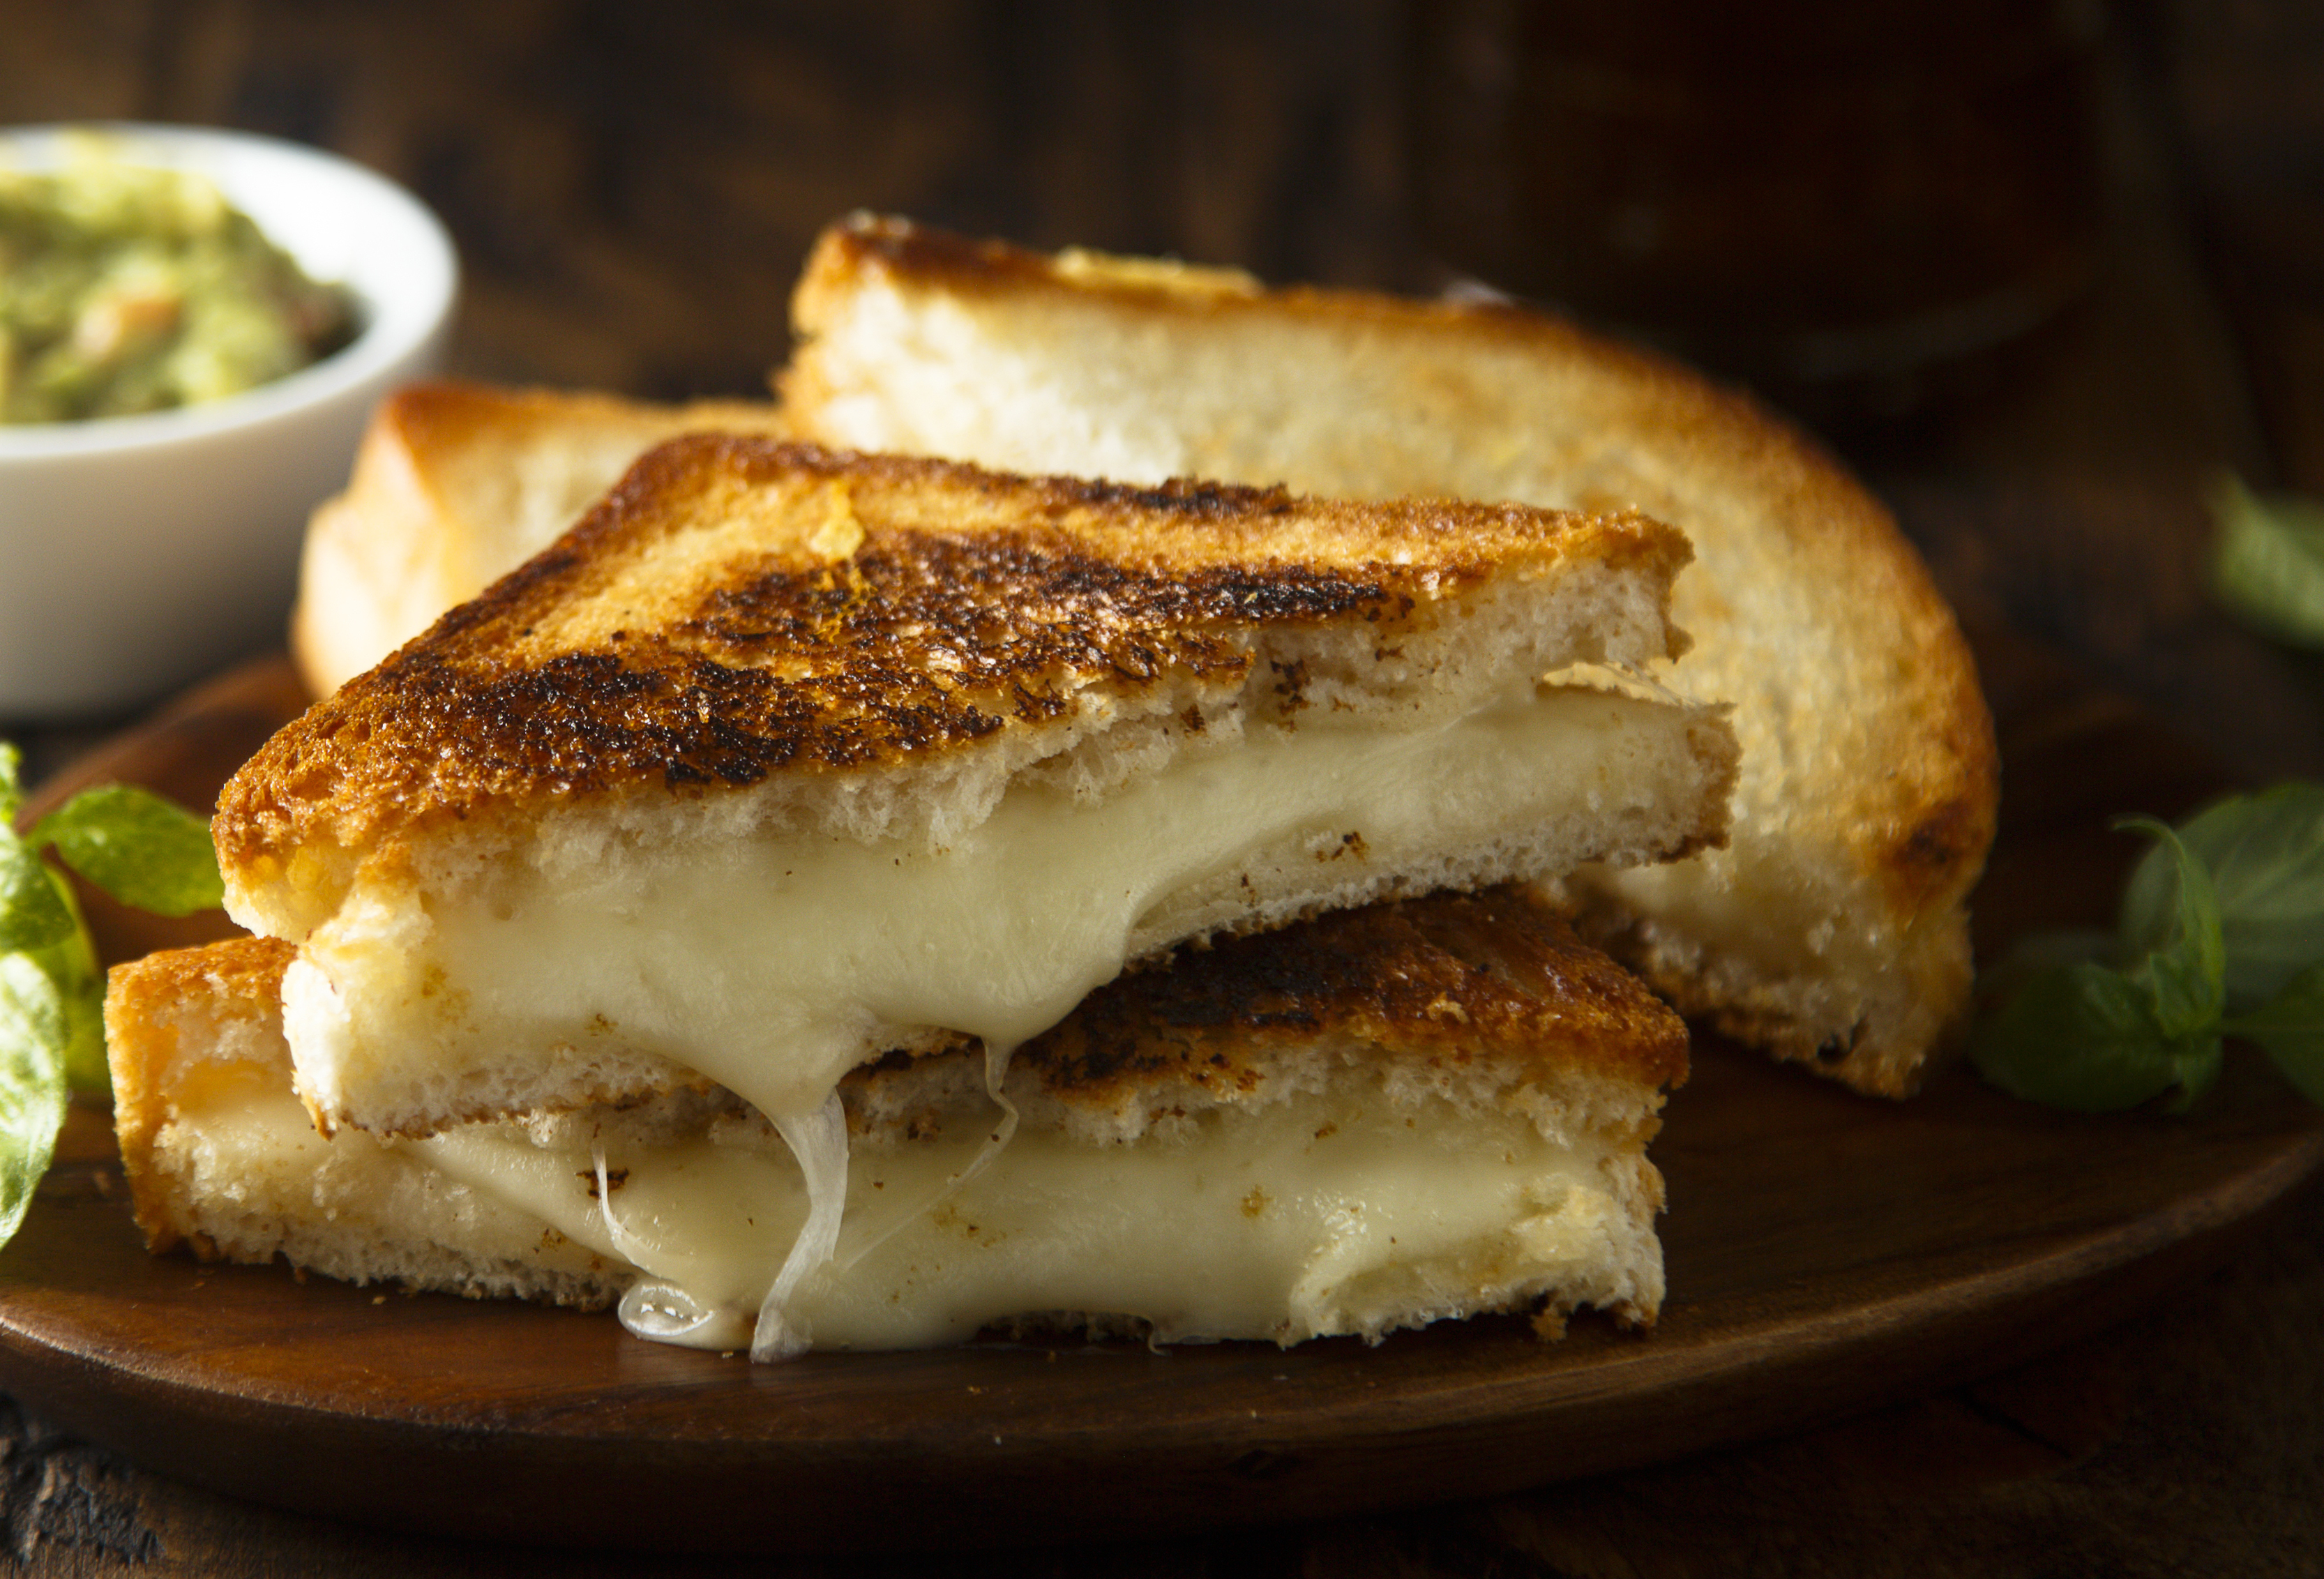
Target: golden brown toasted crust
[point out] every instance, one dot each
(738, 607)
(1720, 421)
(1492, 977)
(444, 416)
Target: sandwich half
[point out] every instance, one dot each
(782, 760)
(455, 485)
(1832, 927)
(1378, 1119)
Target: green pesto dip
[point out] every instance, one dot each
(125, 289)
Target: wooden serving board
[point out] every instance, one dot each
(1826, 1254)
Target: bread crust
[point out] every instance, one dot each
(738, 608)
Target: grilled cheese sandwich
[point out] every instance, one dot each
(785, 759)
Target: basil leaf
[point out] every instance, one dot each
(2195, 1063)
(143, 850)
(71, 966)
(11, 790)
(2177, 943)
(2223, 914)
(2267, 564)
(31, 1083)
(32, 916)
(2266, 856)
(2079, 1037)
(2290, 1030)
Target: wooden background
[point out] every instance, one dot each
(631, 186)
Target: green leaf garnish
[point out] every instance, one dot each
(2178, 943)
(135, 846)
(2081, 1037)
(2290, 1028)
(2265, 853)
(32, 1033)
(143, 850)
(31, 914)
(2224, 917)
(71, 965)
(2267, 564)
(2085, 1035)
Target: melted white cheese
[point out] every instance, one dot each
(1255, 1226)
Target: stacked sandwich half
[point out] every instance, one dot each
(834, 900)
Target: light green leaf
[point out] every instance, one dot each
(143, 850)
(71, 965)
(32, 1033)
(2266, 856)
(32, 916)
(2079, 1037)
(2290, 1028)
(2267, 564)
(11, 789)
(2178, 952)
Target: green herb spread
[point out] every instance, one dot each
(125, 289)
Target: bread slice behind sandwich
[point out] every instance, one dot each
(1373, 1120)
(1832, 929)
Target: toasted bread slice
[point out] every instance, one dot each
(1482, 1084)
(1833, 927)
(455, 485)
(782, 758)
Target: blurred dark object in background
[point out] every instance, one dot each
(633, 187)
(1855, 205)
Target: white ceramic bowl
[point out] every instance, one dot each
(139, 552)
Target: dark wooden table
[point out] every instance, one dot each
(631, 186)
